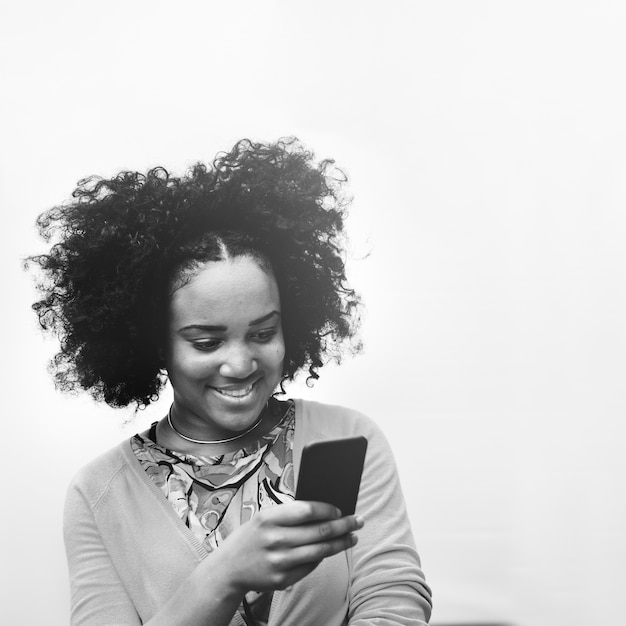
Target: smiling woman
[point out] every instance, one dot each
(225, 352)
(226, 282)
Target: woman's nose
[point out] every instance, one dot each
(239, 362)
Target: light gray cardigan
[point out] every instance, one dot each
(128, 551)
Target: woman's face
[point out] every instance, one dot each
(226, 347)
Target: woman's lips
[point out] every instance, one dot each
(236, 391)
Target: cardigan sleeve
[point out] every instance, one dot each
(98, 597)
(387, 586)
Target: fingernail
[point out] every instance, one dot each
(359, 521)
(353, 539)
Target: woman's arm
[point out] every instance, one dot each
(387, 585)
(274, 550)
(98, 597)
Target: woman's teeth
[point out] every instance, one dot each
(235, 393)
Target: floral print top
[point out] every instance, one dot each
(213, 495)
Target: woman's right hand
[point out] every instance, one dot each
(282, 544)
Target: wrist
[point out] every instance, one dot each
(221, 579)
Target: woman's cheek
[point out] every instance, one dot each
(200, 364)
(188, 362)
(277, 356)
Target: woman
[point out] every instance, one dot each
(226, 282)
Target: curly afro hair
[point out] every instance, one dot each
(123, 244)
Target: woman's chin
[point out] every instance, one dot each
(235, 415)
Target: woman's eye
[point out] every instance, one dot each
(265, 335)
(206, 344)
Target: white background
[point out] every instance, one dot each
(486, 147)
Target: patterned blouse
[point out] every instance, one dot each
(213, 495)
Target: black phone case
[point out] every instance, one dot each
(330, 471)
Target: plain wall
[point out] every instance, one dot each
(485, 144)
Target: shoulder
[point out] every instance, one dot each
(330, 417)
(94, 479)
(317, 420)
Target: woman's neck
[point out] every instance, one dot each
(170, 439)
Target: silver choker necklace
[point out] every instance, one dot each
(239, 436)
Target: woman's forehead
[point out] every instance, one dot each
(233, 288)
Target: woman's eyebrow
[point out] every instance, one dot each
(220, 327)
(264, 318)
(202, 327)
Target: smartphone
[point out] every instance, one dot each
(330, 471)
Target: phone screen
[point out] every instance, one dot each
(330, 471)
